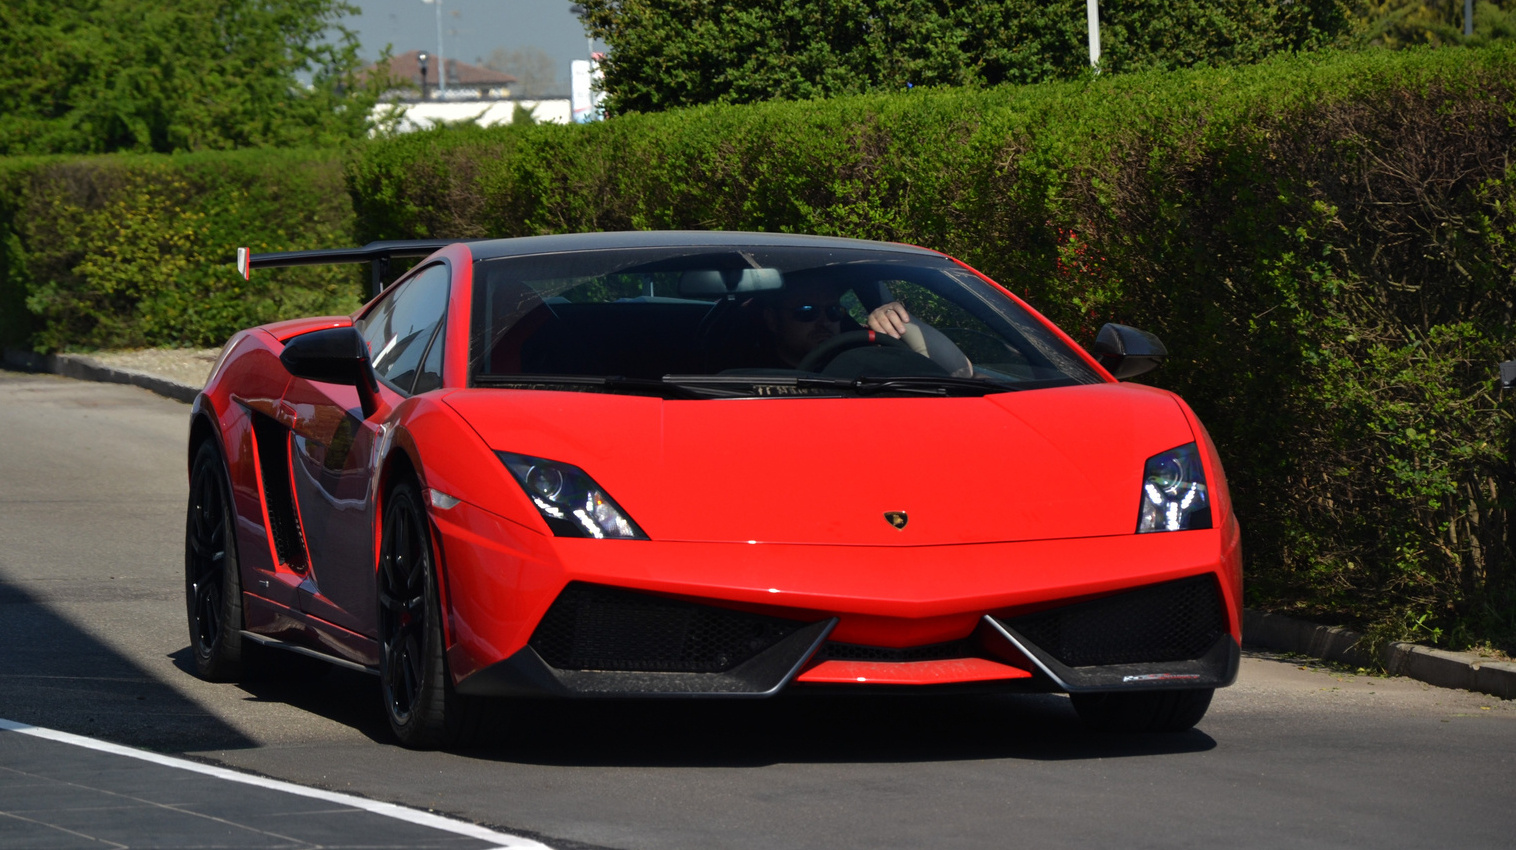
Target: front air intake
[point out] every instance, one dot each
(590, 627)
(1174, 621)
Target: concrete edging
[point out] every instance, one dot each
(88, 369)
(1462, 670)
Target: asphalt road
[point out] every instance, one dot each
(92, 492)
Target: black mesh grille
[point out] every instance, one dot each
(1174, 621)
(599, 628)
(965, 648)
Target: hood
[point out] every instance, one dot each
(1031, 465)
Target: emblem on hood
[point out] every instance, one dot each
(896, 518)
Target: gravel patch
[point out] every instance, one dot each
(190, 366)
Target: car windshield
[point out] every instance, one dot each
(754, 321)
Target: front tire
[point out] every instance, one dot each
(212, 583)
(423, 709)
(1143, 711)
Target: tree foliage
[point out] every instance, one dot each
(1399, 24)
(95, 76)
(671, 53)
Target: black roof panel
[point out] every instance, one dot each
(560, 243)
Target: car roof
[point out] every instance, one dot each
(562, 243)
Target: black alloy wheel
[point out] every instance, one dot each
(1143, 711)
(423, 709)
(212, 585)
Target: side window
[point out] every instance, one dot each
(403, 328)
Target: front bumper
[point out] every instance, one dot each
(915, 616)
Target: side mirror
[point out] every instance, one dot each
(1126, 352)
(334, 356)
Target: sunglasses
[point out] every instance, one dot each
(811, 312)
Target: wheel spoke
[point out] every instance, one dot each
(210, 618)
(197, 520)
(412, 675)
(206, 590)
(210, 565)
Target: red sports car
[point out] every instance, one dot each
(706, 464)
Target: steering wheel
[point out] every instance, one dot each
(825, 353)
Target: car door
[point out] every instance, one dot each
(334, 448)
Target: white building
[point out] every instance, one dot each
(471, 93)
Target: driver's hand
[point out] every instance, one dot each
(889, 319)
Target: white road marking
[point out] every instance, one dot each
(501, 840)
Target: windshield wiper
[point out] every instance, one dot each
(591, 383)
(937, 385)
(739, 386)
(780, 385)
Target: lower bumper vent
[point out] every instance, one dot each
(590, 627)
(1173, 621)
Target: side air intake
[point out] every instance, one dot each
(274, 470)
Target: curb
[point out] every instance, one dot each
(88, 369)
(1462, 670)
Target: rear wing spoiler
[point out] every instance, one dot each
(376, 253)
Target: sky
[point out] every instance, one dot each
(472, 28)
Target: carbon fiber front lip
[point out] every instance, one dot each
(526, 674)
(1217, 668)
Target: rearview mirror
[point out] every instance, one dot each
(334, 356)
(1127, 352)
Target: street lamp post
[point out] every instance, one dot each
(1092, 11)
(441, 63)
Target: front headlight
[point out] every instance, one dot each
(571, 502)
(1174, 496)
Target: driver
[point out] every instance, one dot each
(809, 314)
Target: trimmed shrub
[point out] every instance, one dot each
(1324, 241)
(132, 251)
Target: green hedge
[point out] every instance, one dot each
(128, 251)
(1327, 243)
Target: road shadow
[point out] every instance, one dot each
(791, 728)
(55, 675)
(801, 728)
(335, 693)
